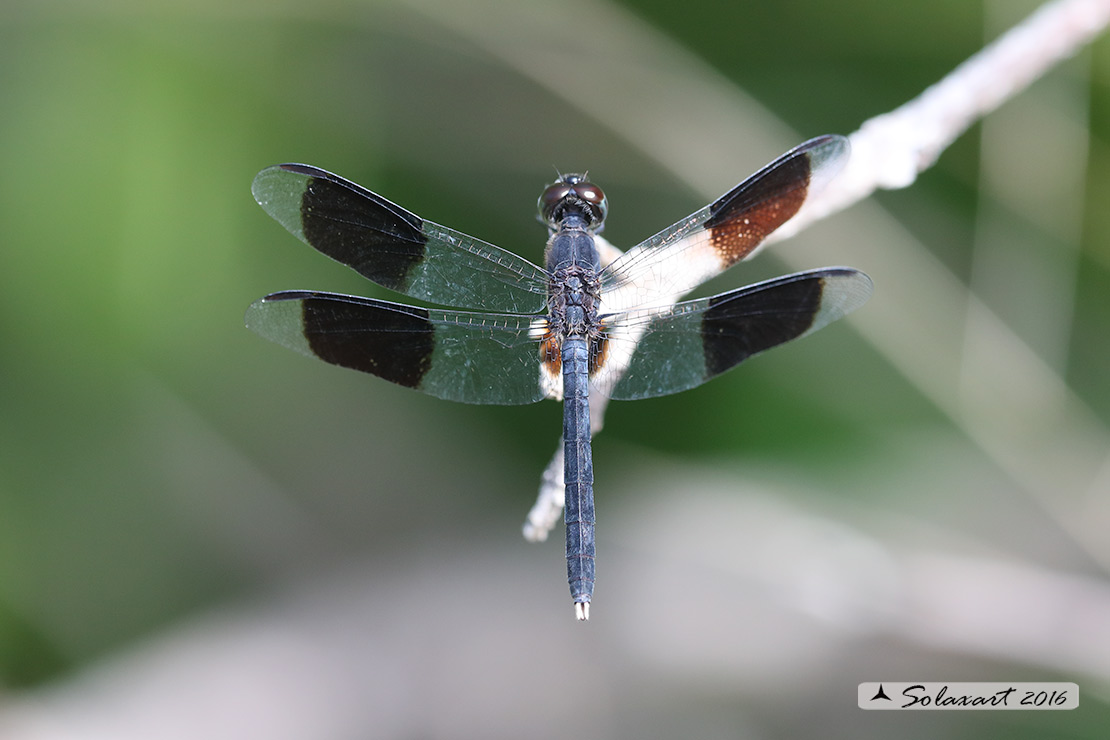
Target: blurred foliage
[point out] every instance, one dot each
(157, 458)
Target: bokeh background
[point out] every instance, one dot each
(204, 535)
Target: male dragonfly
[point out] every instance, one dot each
(573, 328)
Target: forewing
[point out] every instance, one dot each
(395, 248)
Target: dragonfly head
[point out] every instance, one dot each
(573, 194)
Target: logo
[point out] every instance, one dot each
(981, 695)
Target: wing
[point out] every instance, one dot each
(459, 356)
(395, 248)
(679, 258)
(655, 352)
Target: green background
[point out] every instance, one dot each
(161, 467)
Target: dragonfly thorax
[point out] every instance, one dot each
(575, 296)
(572, 245)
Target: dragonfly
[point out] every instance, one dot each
(592, 323)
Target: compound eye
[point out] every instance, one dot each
(592, 196)
(552, 197)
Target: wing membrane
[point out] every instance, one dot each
(460, 356)
(394, 247)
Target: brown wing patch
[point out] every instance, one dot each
(744, 217)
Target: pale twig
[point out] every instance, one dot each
(890, 150)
